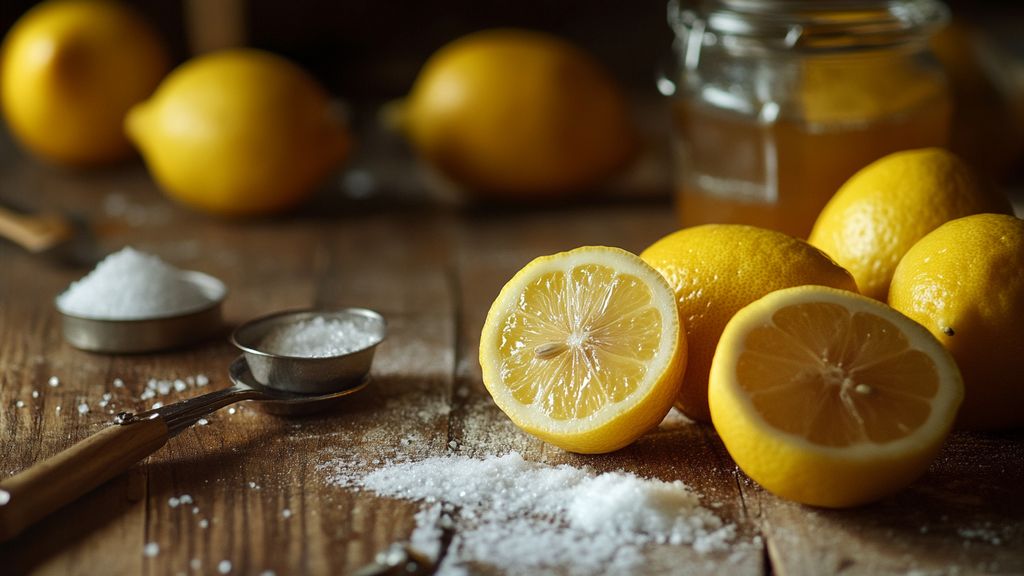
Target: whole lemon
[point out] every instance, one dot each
(239, 132)
(965, 283)
(715, 270)
(883, 209)
(70, 70)
(517, 114)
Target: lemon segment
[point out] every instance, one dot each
(830, 398)
(584, 349)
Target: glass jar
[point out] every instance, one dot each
(776, 103)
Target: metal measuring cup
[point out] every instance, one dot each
(272, 380)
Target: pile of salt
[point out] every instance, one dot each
(321, 337)
(131, 285)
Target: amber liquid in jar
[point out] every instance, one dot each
(782, 174)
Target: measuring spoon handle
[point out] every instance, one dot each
(32, 494)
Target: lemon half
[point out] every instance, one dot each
(830, 398)
(583, 349)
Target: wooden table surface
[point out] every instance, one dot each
(260, 493)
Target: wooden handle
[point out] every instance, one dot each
(32, 494)
(34, 233)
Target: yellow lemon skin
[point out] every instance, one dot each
(715, 270)
(617, 422)
(239, 132)
(69, 71)
(883, 209)
(512, 114)
(964, 282)
(790, 466)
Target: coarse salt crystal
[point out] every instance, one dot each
(53, 381)
(202, 422)
(151, 549)
(204, 523)
(202, 380)
(130, 284)
(195, 564)
(224, 566)
(83, 408)
(321, 337)
(19, 404)
(286, 513)
(35, 393)
(118, 383)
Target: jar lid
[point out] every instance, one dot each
(797, 25)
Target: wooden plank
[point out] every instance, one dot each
(965, 516)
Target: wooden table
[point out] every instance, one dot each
(259, 491)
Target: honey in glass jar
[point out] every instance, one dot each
(776, 103)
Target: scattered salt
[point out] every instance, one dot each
(131, 285)
(20, 404)
(185, 499)
(204, 523)
(195, 564)
(224, 566)
(118, 383)
(286, 513)
(173, 502)
(202, 380)
(232, 410)
(202, 422)
(156, 405)
(53, 381)
(322, 337)
(527, 517)
(83, 408)
(35, 393)
(151, 549)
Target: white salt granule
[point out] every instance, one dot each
(321, 337)
(151, 549)
(224, 567)
(35, 393)
(83, 408)
(130, 285)
(204, 523)
(118, 383)
(53, 381)
(527, 517)
(195, 564)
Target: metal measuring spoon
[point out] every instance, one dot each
(48, 485)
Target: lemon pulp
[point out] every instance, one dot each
(570, 332)
(836, 377)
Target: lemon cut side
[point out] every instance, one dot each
(831, 398)
(583, 349)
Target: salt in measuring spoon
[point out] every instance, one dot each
(48, 485)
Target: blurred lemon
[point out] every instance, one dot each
(517, 114)
(883, 209)
(830, 398)
(583, 349)
(715, 270)
(965, 283)
(239, 132)
(70, 70)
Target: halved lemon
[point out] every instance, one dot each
(830, 398)
(583, 349)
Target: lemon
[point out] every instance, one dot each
(517, 114)
(583, 349)
(69, 71)
(239, 132)
(830, 398)
(965, 283)
(883, 209)
(715, 270)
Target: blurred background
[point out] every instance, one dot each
(368, 52)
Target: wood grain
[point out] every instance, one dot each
(255, 490)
